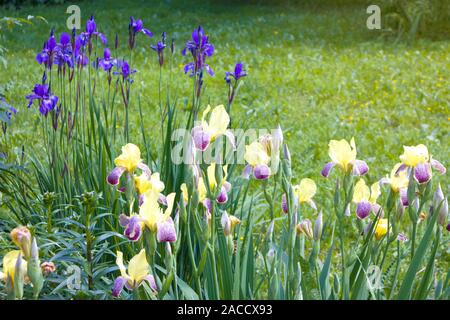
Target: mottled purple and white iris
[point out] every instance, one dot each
(166, 231)
(132, 225)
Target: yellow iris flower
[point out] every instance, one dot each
(362, 193)
(306, 190)
(145, 184)
(342, 153)
(130, 157)
(9, 265)
(398, 180)
(138, 268)
(413, 155)
(218, 121)
(381, 228)
(151, 212)
(256, 154)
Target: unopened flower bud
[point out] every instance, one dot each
(400, 210)
(277, 140)
(19, 275)
(228, 223)
(441, 203)
(284, 204)
(422, 216)
(21, 236)
(286, 153)
(416, 204)
(48, 267)
(443, 213)
(318, 225)
(34, 270)
(305, 227)
(347, 212)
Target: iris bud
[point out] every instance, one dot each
(48, 267)
(441, 203)
(400, 210)
(305, 227)
(34, 269)
(21, 236)
(318, 225)
(18, 278)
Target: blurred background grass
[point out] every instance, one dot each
(313, 66)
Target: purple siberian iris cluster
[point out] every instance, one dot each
(200, 49)
(63, 53)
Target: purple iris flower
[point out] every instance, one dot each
(47, 54)
(91, 31)
(80, 57)
(159, 47)
(200, 48)
(47, 101)
(135, 27)
(8, 111)
(63, 54)
(238, 73)
(106, 63)
(125, 70)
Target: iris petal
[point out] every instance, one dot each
(114, 176)
(119, 283)
(201, 138)
(360, 168)
(363, 209)
(223, 196)
(261, 172)
(422, 173)
(327, 169)
(438, 166)
(166, 231)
